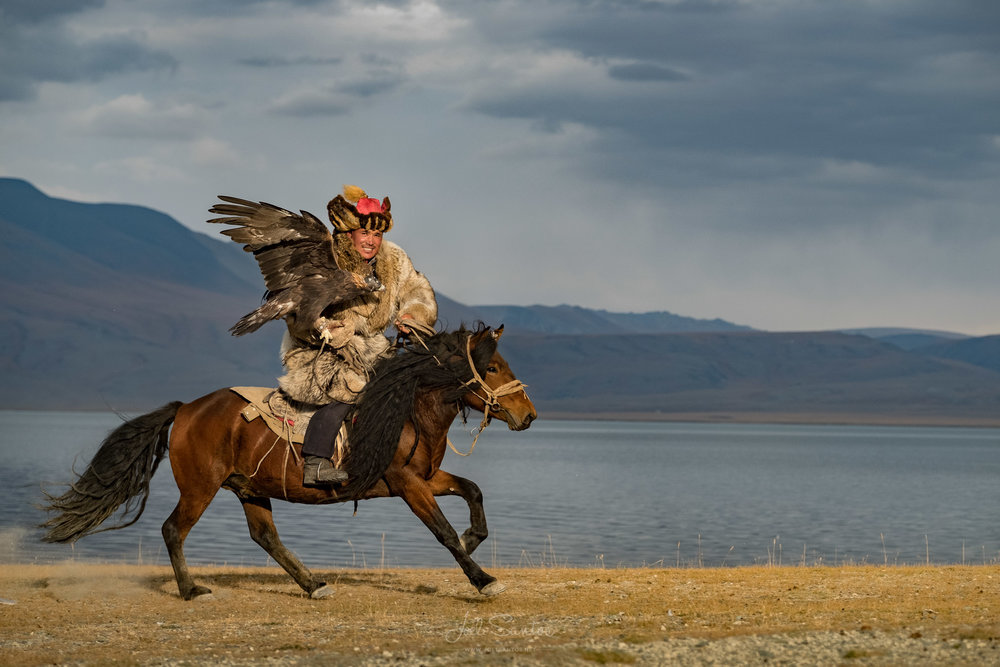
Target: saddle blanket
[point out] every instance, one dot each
(288, 422)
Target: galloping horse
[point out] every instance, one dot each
(397, 440)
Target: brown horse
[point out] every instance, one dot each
(397, 436)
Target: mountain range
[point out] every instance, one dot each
(117, 306)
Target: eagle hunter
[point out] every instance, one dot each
(296, 257)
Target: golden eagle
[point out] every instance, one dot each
(296, 257)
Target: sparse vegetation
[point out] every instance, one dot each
(92, 613)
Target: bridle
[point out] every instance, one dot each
(490, 396)
(491, 401)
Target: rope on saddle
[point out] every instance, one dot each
(287, 432)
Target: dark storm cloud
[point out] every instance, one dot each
(310, 105)
(36, 11)
(371, 87)
(847, 81)
(735, 32)
(288, 61)
(381, 77)
(645, 72)
(35, 47)
(371, 76)
(237, 8)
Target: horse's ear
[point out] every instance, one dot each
(498, 332)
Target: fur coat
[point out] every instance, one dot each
(318, 372)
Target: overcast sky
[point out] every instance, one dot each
(784, 164)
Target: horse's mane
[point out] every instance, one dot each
(387, 401)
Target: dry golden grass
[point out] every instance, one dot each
(127, 614)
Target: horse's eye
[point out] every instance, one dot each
(491, 369)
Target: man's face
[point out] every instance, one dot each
(366, 242)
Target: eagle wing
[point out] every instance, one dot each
(296, 257)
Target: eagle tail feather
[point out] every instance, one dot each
(271, 309)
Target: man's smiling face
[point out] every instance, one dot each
(366, 242)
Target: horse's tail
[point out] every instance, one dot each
(119, 474)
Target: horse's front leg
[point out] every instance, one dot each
(445, 484)
(418, 495)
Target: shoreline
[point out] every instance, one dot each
(790, 418)
(82, 613)
(696, 417)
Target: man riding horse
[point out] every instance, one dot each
(328, 359)
(338, 293)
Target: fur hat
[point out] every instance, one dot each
(356, 210)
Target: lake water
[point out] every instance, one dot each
(584, 494)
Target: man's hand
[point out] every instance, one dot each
(399, 323)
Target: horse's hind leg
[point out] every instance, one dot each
(262, 530)
(175, 529)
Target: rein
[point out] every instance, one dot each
(491, 400)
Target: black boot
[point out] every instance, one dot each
(319, 445)
(319, 471)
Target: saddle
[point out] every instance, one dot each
(286, 418)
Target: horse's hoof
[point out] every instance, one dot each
(323, 591)
(492, 588)
(198, 592)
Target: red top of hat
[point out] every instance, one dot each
(368, 205)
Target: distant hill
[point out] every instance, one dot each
(882, 333)
(119, 306)
(983, 352)
(749, 373)
(576, 320)
(907, 339)
(913, 341)
(108, 242)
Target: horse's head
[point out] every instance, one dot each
(494, 389)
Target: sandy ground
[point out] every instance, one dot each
(108, 614)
